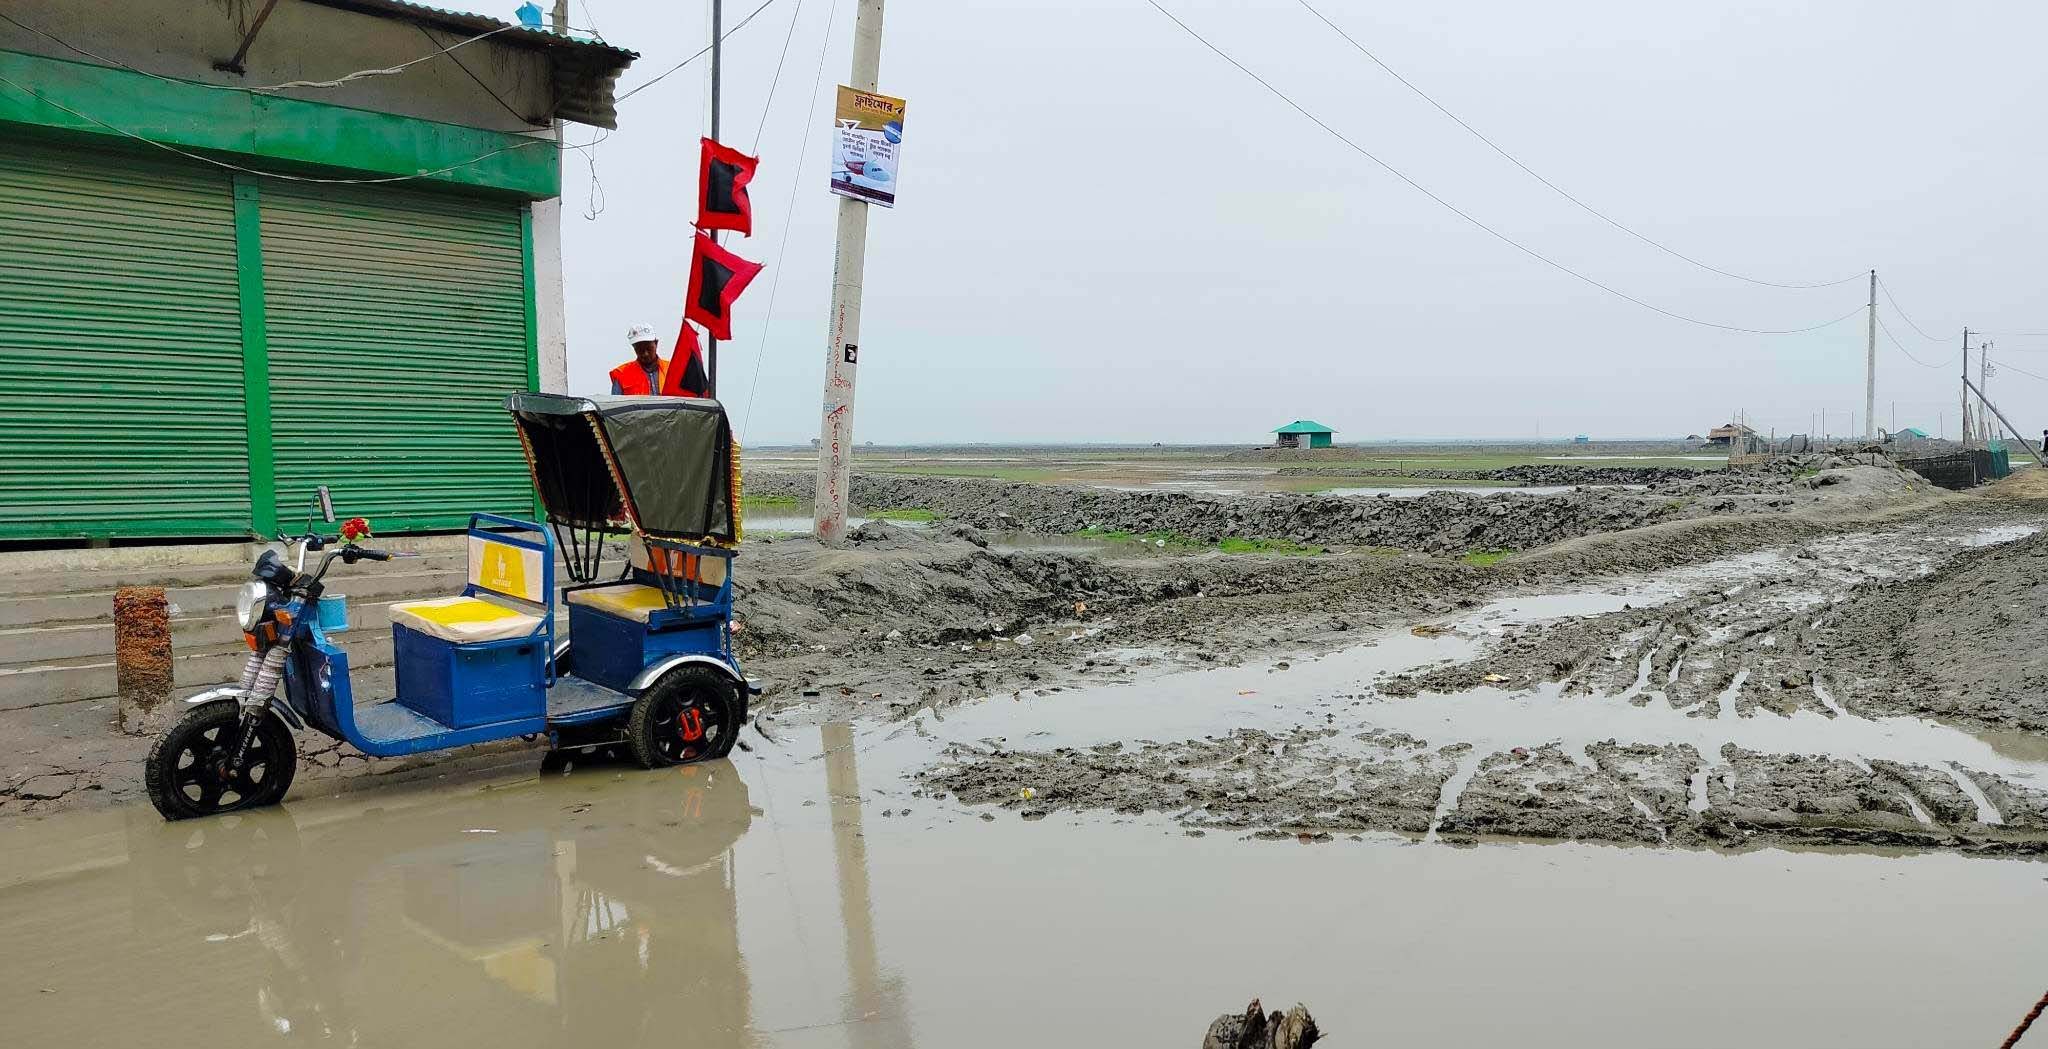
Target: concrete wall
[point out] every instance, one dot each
(301, 41)
(182, 39)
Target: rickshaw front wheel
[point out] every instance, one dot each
(188, 772)
(691, 714)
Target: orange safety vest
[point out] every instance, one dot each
(632, 378)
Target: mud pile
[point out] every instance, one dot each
(1536, 474)
(1439, 522)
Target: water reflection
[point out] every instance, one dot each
(540, 913)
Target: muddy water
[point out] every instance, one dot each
(808, 894)
(801, 896)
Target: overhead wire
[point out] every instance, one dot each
(487, 89)
(775, 80)
(1461, 213)
(1554, 187)
(705, 50)
(1886, 287)
(1901, 347)
(788, 213)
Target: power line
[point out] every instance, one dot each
(1903, 315)
(495, 97)
(664, 74)
(2006, 367)
(789, 212)
(1455, 210)
(769, 104)
(1896, 344)
(1554, 187)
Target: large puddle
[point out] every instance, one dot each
(798, 897)
(809, 893)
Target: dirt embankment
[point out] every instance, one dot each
(1437, 522)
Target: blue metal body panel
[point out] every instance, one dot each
(454, 695)
(470, 684)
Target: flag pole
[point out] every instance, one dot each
(717, 60)
(842, 363)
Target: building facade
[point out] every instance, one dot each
(234, 271)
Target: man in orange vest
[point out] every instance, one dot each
(644, 374)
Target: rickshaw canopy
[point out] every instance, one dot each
(662, 466)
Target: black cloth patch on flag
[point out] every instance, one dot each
(686, 376)
(717, 277)
(722, 177)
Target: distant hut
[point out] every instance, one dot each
(1722, 436)
(1303, 433)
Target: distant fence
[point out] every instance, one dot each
(1961, 469)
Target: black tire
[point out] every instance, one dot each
(185, 774)
(690, 715)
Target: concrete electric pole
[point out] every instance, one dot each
(842, 344)
(1870, 366)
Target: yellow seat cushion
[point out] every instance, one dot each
(634, 602)
(464, 620)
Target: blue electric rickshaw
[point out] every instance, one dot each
(647, 667)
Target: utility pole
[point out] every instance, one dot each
(1966, 388)
(1870, 366)
(842, 357)
(717, 69)
(1983, 398)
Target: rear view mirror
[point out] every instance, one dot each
(326, 504)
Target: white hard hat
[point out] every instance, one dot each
(639, 333)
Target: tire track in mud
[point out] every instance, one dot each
(1757, 746)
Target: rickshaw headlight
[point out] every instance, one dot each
(249, 602)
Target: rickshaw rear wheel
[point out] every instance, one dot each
(187, 775)
(691, 714)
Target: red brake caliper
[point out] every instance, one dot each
(692, 724)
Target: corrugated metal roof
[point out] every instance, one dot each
(586, 72)
(1304, 426)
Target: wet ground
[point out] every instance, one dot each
(806, 895)
(1506, 720)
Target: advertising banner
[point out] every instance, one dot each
(867, 146)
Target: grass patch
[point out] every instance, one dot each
(768, 502)
(904, 513)
(1154, 538)
(1484, 558)
(1234, 545)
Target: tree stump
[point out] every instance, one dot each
(1254, 1029)
(142, 653)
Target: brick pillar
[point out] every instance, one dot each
(142, 653)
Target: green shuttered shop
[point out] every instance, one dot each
(187, 351)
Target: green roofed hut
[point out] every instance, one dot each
(1303, 433)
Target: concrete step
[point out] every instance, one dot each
(402, 578)
(73, 679)
(47, 643)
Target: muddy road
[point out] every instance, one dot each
(808, 893)
(1767, 698)
(1771, 777)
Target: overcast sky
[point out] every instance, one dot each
(1106, 233)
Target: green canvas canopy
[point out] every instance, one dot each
(662, 465)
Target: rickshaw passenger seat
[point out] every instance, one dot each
(464, 620)
(636, 601)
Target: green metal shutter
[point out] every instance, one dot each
(397, 324)
(121, 407)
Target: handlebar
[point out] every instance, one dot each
(365, 553)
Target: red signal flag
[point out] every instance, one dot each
(717, 277)
(722, 178)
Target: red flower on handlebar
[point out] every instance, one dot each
(355, 530)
